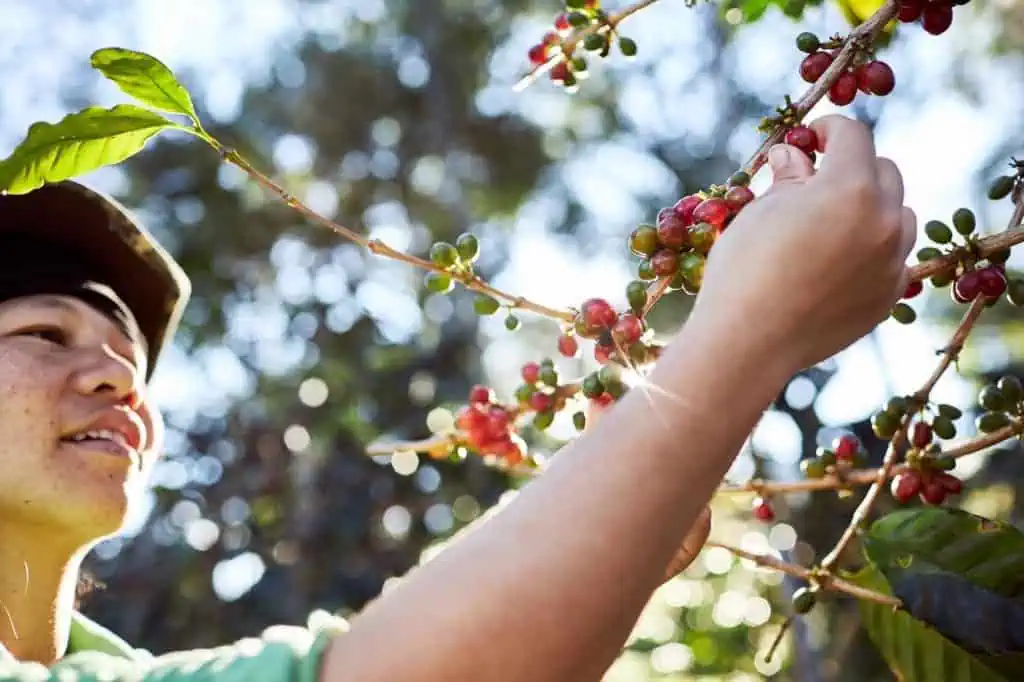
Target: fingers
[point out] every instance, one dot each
(691, 545)
(788, 164)
(890, 181)
(908, 235)
(848, 147)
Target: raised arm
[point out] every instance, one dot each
(550, 587)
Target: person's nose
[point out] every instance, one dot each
(104, 372)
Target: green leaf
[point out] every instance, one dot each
(914, 651)
(145, 78)
(79, 143)
(754, 9)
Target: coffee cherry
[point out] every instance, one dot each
(807, 42)
(512, 322)
(538, 54)
(877, 78)
(738, 197)
(803, 138)
(910, 10)
(950, 483)
(803, 601)
(438, 283)
(444, 254)
(603, 353)
(846, 447)
(991, 398)
(1010, 387)
(562, 23)
(713, 211)
(702, 237)
(1015, 292)
(928, 253)
(1001, 187)
(543, 419)
(665, 262)
(541, 402)
(628, 329)
(992, 282)
(906, 485)
(684, 207)
(913, 289)
(568, 345)
(938, 231)
(524, 391)
(468, 247)
(643, 241)
(627, 46)
(944, 427)
(999, 257)
(941, 462)
(763, 510)
(964, 221)
(739, 179)
(884, 425)
(942, 279)
(592, 386)
(992, 421)
(937, 17)
(932, 491)
(813, 468)
(903, 313)
(672, 231)
(530, 372)
(967, 287)
(480, 395)
(645, 272)
(897, 405)
(598, 314)
(485, 305)
(560, 73)
(844, 90)
(814, 65)
(921, 435)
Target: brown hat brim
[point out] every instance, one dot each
(131, 262)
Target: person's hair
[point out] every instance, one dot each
(87, 586)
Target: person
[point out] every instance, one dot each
(549, 588)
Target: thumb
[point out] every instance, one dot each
(789, 164)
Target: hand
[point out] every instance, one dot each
(820, 259)
(695, 538)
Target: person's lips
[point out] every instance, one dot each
(114, 431)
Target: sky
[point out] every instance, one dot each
(938, 138)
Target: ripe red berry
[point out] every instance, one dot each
(603, 400)
(469, 418)
(538, 54)
(684, 207)
(967, 287)
(906, 485)
(628, 329)
(480, 395)
(763, 510)
(846, 446)
(950, 483)
(672, 230)
(542, 402)
(913, 289)
(603, 354)
(844, 90)
(530, 372)
(560, 72)
(910, 10)
(937, 17)
(568, 345)
(878, 78)
(665, 262)
(921, 435)
(991, 282)
(803, 138)
(738, 197)
(814, 65)
(932, 491)
(562, 23)
(712, 211)
(598, 314)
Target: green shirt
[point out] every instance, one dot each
(281, 654)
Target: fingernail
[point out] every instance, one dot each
(778, 156)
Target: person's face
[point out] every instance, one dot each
(76, 437)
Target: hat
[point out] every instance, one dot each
(123, 255)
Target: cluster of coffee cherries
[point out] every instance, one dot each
(622, 336)
(1001, 404)
(935, 16)
(488, 428)
(939, 422)
(926, 476)
(866, 74)
(579, 14)
(540, 392)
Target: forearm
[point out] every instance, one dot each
(554, 583)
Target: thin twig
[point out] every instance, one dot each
(826, 581)
(471, 282)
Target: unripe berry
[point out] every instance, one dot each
(468, 247)
(813, 468)
(992, 421)
(627, 46)
(903, 313)
(807, 42)
(1001, 187)
(485, 305)
(636, 295)
(702, 237)
(1011, 389)
(884, 425)
(964, 221)
(991, 398)
(937, 17)
(803, 601)
(644, 240)
(944, 427)
(938, 231)
(814, 65)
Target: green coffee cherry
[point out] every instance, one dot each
(578, 64)
(942, 279)
(542, 420)
(804, 600)
(928, 253)
(512, 323)
(885, 425)
(938, 231)
(813, 468)
(944, 463)
(992, 421)
(950, 411)
(739, 179)
(485, 305)
(579, 420)
(524, 392)
(594, 42)
(438, 283)
(643, 241)
(807, 42)
(964, 221)
(702, 237)
(1011, 389)
(444, 254)
(991, 398)
(468, 247)
(645, 271)
(577, 19)
(897, 406)
(636, 295)
(627, 46)
(592, 386)
(1000, 187)
(827, 457)
(903, 313)
(548, 376)
(943, 427)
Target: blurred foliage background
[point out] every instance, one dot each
(399, 119)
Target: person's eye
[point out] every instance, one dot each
(52, 334)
